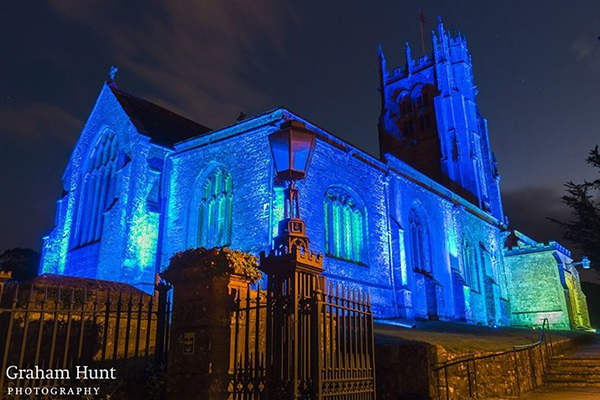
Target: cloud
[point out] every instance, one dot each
(39, 124)
(198, 54)
(587, 50)
(36, 141)
(528, 210)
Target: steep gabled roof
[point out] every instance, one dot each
(162, 126)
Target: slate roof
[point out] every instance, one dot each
(162, 126)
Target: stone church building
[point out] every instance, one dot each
(421, 228)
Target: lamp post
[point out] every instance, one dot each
(293, 277)
(292, 147)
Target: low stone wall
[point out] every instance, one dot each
(409, 371)
(497, 374)
(404, 371)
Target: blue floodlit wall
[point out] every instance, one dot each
(155, 212)
(445, 292)
(386, 195)
(257, 206)
(127, 248)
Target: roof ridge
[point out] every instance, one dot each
(163, 126)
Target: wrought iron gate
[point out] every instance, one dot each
(302, 342)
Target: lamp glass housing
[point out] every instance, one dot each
(292, 148)
(585, 262)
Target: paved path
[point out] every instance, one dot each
(591, 393)
(591, 350)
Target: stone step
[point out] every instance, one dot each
(583, 378)
(573, 369)
(593, 362)
(573, 372)
(553, 384)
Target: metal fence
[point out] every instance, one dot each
(527, 365)
(347, 364)
(61, 327)
(302, 342)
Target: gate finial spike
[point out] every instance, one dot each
(31, 291)
(16, 292)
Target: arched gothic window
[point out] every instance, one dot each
(345, 226)
(419, 241)
(98, 189)
(470, 265)
(215, 210)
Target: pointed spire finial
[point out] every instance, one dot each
(382, 62)
(113, 71)
(441, 40)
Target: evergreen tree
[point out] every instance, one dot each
(584, 200)
(23, 263)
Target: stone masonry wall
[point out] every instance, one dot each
(536, 290)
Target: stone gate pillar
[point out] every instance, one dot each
(203, 300)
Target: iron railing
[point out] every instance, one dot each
(248, 341)
(62, 327)
(466, 366)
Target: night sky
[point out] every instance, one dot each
(537, 65)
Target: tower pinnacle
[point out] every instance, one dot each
(409, 61)
(382, 75)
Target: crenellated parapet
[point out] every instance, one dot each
(539, 247)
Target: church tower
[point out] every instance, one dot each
(430, 120)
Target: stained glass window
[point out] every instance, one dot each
(470, 265)
(345, 226)
(216, 210)
(98, 189)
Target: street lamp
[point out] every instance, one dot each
(292, 147)
(294, 272)
(585, 263)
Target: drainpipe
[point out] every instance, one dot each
(386, 192)
(162, 191)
